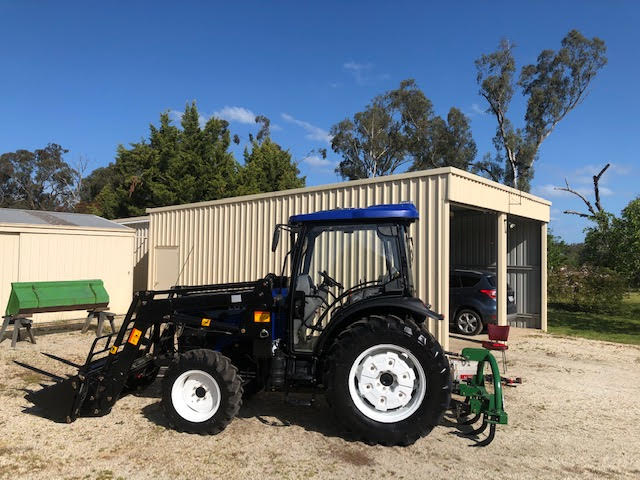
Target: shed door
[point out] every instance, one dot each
(9, 261)
(167, 267)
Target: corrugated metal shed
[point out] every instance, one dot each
(228, 240)
(50, 246)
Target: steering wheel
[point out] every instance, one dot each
(330, 282)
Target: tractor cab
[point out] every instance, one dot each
(341, 260)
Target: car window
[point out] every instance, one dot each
(492, 280)
(469, 280)
(454, 281)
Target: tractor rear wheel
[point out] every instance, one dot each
(201, 392)
(387, 380)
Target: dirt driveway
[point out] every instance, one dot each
(576, 416)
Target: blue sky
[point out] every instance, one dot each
(91, 75)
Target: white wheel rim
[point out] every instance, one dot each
(371, 390)
(195, 396)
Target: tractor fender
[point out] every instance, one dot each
(398, 305)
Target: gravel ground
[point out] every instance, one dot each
(575, 416)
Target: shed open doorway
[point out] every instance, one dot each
(484, 243)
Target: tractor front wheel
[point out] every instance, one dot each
(388, 380)
(201, 392)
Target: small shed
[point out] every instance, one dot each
(49, 246)
(466, 221)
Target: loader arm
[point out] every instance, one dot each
(114, 359)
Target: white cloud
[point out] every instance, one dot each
(588, 170)
(236, 114)
(607, 192)
(621, 169)
(614, 169)
(363, 72)
(316, 161)
(313, 132)
(477, 109)
(550, 190)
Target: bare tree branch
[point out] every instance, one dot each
(573, 212)
(582, 197)
(596, 186)
(593, 212)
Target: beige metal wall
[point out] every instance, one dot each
(9, 261)
(140, 250)
(229, 240)
(31, 254)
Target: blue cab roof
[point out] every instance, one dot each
(399, 211)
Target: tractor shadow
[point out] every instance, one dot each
(270, 409)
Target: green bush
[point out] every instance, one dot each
(586, 289)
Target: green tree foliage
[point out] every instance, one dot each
(556, 252)
(562, 254)
(371, 144)
(38, 180)
(268, 168)
(554, 86)
(173, 166)
(586, 288)
(398, 127)
(614, 242)
(187, 164)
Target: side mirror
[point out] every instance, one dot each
(276, 239)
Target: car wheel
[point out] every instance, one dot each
(468, 322)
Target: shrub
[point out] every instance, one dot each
(586, 288)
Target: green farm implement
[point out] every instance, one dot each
(481, 396)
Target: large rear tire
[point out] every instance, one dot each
(201, 392)
(387, 380)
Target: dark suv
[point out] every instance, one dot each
(472, 300)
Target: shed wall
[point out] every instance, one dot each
(50, 254)
(229, 241)
(140, 250)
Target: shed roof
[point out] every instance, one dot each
(56, 219)
(464, 187)
(132, 220)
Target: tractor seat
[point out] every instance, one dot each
(313, 297)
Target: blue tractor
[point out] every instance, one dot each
(341, 319)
